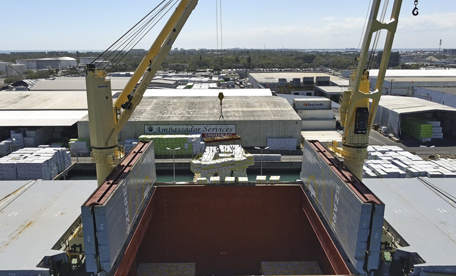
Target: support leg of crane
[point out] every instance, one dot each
(354, 159)
(105, 161)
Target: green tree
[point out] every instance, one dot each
(394, 59)
(11, 80)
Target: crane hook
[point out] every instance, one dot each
(415, 10)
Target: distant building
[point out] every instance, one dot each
(286, 82)
(29, 63)
(86, 60)
(405, 82)
(451, 52)
(56, 63)
(3, 66)
(15, 70)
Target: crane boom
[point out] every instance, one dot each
(106, 119)
(358, 104)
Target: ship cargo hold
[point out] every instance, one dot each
(228, 229)
(209, 229)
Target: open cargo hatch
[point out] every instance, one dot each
(221, 229)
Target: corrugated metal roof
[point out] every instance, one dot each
(16, 118)
(423, 217)
(341, 82)
(332, 90)
(414, 73)
(75, 84)
(44, 100)
(36, 219)
(421, 79)
(208, 93)
(193, 109)
(410, 104)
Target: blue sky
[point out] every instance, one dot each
(306, 24)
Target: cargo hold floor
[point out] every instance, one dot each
(232, 230)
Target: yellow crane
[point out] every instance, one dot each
(106, 119)
(357, 112)
(358, 103)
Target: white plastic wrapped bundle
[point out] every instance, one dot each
(34, 163)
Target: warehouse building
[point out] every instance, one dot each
(440, 95)
(404, 82)
(56, 112)
(118, 82)
(56, 63)
(418, 118)
(48, 63)
(15, 70)
(86, 60)
(29, 63)
(3, 66)
(331, 92)
(254, 118)
(285, 82)
(254, 114)
(75, 84)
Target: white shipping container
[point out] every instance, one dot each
(318, 124)
(311, 103)
(323, 114)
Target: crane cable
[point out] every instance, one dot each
(142, 31)
(221, 27)
(365, 25)
(216, 23)
(119, 49)
(103, 56)
(377, 36)
(130, 30)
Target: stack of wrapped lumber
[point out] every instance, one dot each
(34, 163)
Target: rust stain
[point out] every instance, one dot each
(23, 229)
(20, 232)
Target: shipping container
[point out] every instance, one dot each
(311, 103)
(321, 114)
(318, 124)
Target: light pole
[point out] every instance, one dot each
(391, 85)
(201, 147)
(261, 160)
(174, 166)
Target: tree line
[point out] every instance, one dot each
(217, 60)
